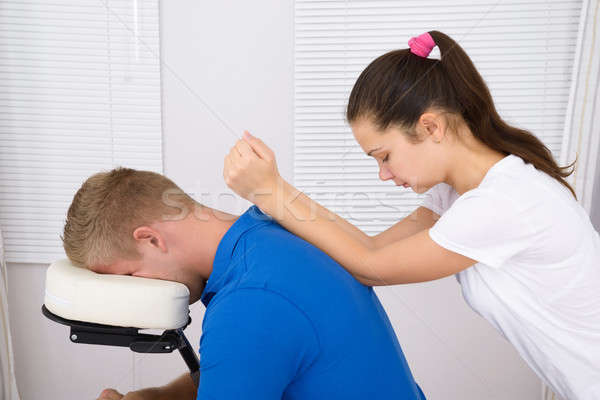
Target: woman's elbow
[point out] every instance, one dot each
(365, 272)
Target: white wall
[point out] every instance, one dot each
(238, 58)
(595, 213)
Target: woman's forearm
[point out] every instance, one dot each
(306, 218)
(352, 230)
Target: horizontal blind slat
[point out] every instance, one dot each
(80, 94)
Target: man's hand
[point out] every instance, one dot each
(144, 394)
(110, 394)
(182, 388)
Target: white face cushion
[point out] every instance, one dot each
(119, 300)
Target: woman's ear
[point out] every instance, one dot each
(433, 125)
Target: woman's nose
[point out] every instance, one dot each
(385, 174)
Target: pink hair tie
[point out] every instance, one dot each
(421, 45)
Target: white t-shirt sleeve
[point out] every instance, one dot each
(431, 200)
(485, 226)
(439, 198)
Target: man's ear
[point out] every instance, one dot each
(146, 236)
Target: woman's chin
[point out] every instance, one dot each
(418, 189)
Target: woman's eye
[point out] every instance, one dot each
(387, 156)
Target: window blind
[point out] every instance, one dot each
(80, 94)
(523, 49)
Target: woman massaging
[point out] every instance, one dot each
(497, 210)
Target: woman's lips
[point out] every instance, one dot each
(406, 185)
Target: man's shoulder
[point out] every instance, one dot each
(271, 244)
(276, 259)
(275, 242)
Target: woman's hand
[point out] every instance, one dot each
(250, 169)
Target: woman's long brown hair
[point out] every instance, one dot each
(399, 86)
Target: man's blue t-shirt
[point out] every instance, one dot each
(285, 321)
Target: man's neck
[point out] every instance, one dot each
(210, 225)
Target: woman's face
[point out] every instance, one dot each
(407, 164)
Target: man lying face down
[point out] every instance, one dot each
(283, 320)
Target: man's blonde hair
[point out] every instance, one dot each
(109, 206)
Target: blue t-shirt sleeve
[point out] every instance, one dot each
(254, 343)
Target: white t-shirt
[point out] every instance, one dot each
(537, 279)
